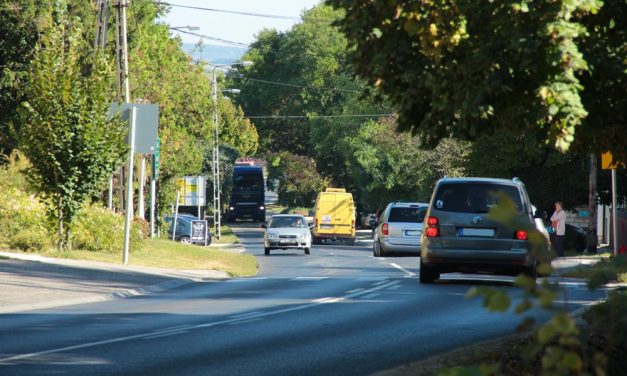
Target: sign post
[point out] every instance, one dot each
(608, 163)
(153, 188)
(129, 190)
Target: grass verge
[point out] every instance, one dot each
(607, 269)
(166, 254)
(227, 236)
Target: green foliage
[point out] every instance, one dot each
(299, 182)
(64, 129)
(468, 68)
(22, 216)
(309, 63)
(98, 229)
(33, 239)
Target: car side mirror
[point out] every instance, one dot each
(264, 226)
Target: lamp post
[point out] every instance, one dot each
(217, 190)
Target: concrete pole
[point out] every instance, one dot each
(140, 196)
(614, 214)
(129, 189)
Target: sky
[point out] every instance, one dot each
(234, 27)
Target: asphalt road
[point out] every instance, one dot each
(338, 311)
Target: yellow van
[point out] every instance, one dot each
(334, 216)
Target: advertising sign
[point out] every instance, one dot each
(199, 231)
(192, 191)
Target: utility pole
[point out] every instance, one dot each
(122, 71)
(216, 158)
(100, 42)
(593, 204)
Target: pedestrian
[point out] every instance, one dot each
(558, 222)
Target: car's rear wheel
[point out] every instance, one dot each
(427, 273)
(376, 249)
(307, 251)
(266, 251)
(185, 240)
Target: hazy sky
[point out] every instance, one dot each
(234, 27)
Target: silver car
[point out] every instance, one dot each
(286, 231)
(399, 229)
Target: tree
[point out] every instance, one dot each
(64, 129)
(299, 182)
(296, 73)
(469, 68)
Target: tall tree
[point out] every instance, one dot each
(467, 68)
(64, 129)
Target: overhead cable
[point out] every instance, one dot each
(251, 14)
(294, 85)
(238, 44)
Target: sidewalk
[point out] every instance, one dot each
(29, 282)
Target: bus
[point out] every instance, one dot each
(248, 194)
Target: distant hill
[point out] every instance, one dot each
(214, 53)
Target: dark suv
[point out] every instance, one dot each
(458, 236)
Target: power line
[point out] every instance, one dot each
(294, 85)
(316, 116)
(238, 44)
(251, 14)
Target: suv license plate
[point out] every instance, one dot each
(413, 233)
(480, 232)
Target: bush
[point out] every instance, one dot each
(30, 240)
(99, 229)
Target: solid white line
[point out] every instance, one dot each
(173, 333)
(394, 287)
(245, 315)
(380, 282)
(370, 296)
(308, 278)
(353, 291)
(402, 269)
(313, 303)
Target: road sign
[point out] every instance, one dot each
(147, 124)
(155, 159)
(608, 162)
(192, 191)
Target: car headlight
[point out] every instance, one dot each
(273, 236)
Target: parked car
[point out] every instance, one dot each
(286, 231)
(184, 229)
(460, 237)
(368, 220)
(399, 229)
(576, 238)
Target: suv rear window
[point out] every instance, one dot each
(473, 197)
(413, 215)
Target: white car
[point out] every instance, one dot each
(286, 231)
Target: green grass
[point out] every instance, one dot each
(227, 236)
(608, 268)
(164, 253)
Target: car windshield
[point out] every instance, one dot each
(413, 215)
(247, 182)
(474, 197)
(294, 222)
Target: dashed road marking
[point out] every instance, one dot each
(402, 269)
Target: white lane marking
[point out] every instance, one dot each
(245, 321)
(308, 278)
(245, 315)
(353, 291)
(246, 279)
(370, 296)
(402, 269)
(394, 287)
(173, 333)
(380, 282)
(311, 304)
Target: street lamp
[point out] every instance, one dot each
(217, 190)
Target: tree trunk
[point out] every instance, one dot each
(592, 206)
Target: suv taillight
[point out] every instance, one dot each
(433, 227)
(521, 235)
(385, 229)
